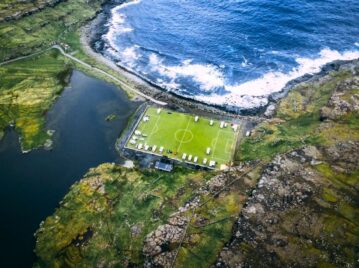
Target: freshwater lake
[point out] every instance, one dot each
(33, 184)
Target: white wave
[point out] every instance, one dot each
(250, 94)
(129, 3)
(244, 62)
(117, 23)
(207, 76)
(275, 81)
(130, 55)
(356, 44)
(234, 100)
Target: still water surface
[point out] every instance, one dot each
(33, 184)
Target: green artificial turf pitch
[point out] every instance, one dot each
(178, 133)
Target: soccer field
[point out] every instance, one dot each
(180, 137)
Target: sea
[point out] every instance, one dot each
(230, 53)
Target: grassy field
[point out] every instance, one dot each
(297, 122)
(179, 134)
(40, 30)
(104, 208)
(12, 9)
(28, 88)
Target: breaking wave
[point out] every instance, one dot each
(221, 74)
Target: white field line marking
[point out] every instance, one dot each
(186, 129)
(236, 137)
(215, 143)
(108, 75)
(147, 124)
(154, 129)
(228, 140)
(229, 146)
(136, 126)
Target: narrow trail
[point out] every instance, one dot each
(59, 48)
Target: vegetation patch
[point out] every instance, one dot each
(298, 121)
(28, 88)
(41, 29)
(119, 206)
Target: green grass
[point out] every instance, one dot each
(180, 134)
(109, 201)
(298, 124)
(28, 88)
(15, 8)
(39, 30)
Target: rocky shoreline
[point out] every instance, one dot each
(92, 32)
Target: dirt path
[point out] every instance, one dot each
(122, 84)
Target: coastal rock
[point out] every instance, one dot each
(340, 103)
(160, 240)
(270, 111)
(293, 217)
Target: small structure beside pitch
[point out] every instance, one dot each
(163, 166)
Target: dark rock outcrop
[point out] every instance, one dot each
(303, 213)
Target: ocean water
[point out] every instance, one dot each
(232, 53)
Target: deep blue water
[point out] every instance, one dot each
(32, 184)
(231, 52)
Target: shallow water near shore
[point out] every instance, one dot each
(33, 184)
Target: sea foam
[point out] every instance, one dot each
(117, 24)
(208, 82)
(249, 94)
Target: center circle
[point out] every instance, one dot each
(183, 135)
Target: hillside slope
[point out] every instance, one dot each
(292, 201)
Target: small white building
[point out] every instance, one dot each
(161, 149)
(159, 110)
(132, 142)
(221, 125)
(212, 163)
(211, 123)
(196, 118)
(154, 148)
(225, 125)
(137, 132)
(248, 133)
(184, 156)
(235, 127)
(204, 161)
(146, 147)
(208, 151)
(195, 159)
(140, 146)
(190, 157)
(146, 118)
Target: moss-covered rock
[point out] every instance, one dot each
(114, 208)
(300, 117)
(304, 212)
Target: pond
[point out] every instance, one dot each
(33, 184)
